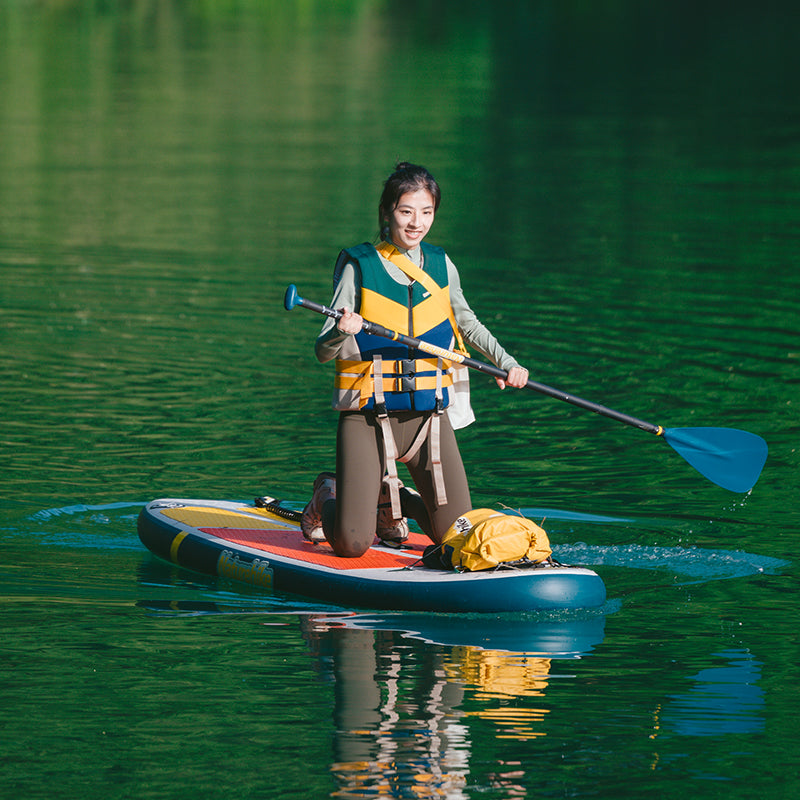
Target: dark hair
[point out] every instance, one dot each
(406, 178)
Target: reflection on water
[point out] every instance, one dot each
(723, 699)
(387, 736)
(405, 716)
(560, 634)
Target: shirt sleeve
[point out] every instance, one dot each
(348, 293)
(475, 333)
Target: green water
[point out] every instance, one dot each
(620, 194)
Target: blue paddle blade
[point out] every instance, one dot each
(730, 458)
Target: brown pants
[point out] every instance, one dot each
(349, 522)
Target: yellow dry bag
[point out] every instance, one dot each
(485, 539)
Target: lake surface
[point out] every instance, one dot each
(620, 194)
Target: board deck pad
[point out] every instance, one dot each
(262, 534)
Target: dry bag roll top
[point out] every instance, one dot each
(484, 539)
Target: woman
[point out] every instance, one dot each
(392, 399)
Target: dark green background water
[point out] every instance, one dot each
(621, 183)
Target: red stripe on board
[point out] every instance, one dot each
(291, 544)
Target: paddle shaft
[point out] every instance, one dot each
(292, 299)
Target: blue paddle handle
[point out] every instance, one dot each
(292, 299)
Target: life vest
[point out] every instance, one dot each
(484, 538)
(410, 379)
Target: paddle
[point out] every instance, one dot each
(731, 458)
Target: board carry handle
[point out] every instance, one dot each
(731, 458)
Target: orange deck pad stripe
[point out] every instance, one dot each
(292, 545)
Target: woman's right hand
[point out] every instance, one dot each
(349, 322)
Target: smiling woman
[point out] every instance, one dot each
(393, 397)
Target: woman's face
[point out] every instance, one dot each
(411, 219)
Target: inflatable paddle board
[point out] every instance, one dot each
(263, 545)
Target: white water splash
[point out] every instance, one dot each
(696, 563)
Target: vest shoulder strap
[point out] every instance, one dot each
(357, 253)
(403, 262)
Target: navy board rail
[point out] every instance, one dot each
(256, 546)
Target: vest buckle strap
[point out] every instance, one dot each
(406, 378)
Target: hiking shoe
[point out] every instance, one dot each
(311, 521)
(392, 532)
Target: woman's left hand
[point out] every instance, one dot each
(517, 377)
